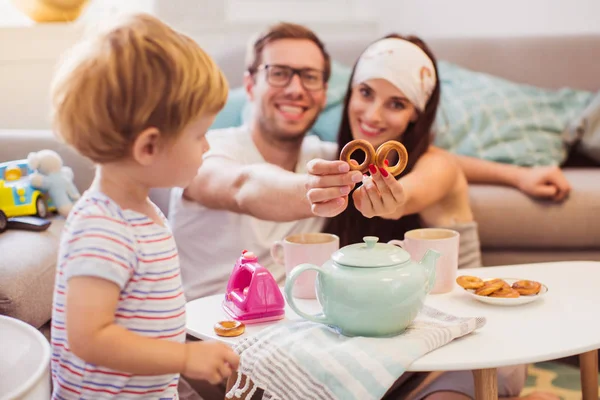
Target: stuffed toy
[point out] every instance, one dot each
(50, 175)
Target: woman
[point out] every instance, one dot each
(393, 95)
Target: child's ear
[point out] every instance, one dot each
(146, 146)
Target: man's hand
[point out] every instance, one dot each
(328, 186)
(544, 182)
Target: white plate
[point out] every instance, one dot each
(507, 301)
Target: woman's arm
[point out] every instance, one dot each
(432, 178)
(542, 182)
(430, 181)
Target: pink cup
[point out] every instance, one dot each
(444, 241)
(313, 248)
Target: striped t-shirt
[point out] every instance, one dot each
(125, 247)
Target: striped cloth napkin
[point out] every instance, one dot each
(301, 360)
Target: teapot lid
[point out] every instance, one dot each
(370, 254)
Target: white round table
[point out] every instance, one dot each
(563, 323)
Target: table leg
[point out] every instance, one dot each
(588, 367)
(486, 384)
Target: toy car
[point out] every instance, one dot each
(17, 196)
(3, 221)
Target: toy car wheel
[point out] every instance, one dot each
(3, 221)
(41, 207)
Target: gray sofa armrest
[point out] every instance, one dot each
(27, 271)
(509, 219)
(28, 259)
(17, 144)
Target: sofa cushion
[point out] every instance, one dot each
(27, 268)
(484, 116)
(508, 218)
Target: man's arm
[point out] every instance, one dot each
(263, 190)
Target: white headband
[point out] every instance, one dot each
(403, 64)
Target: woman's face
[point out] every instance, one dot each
(378, 111)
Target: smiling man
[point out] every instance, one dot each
(251, 189)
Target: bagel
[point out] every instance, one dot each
(384, 150)
(526, 287)
(229, 328)
(469, 282)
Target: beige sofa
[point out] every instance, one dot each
(513, 227)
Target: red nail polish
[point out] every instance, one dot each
(372, 169)
(384, 173)
(386, 162)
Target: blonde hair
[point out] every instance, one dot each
(135, 74)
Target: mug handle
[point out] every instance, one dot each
(397, 242)
(289, 284)
(277, 252)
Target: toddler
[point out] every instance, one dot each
(137, 99)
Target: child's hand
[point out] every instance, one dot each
(210, 361)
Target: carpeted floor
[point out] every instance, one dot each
(558, 378)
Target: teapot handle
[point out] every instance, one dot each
(289, 284)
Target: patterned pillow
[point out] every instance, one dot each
(491, 118)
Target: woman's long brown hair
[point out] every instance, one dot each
(351, 226)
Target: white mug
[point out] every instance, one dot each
(444, 241)
(313, 248)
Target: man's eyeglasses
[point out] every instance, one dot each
(281, 76)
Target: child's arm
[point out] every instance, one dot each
(95, 338)
(99, 260)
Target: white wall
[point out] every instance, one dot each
(460, 18)
(28, 53)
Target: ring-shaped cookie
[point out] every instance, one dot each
(384, 150)
(470, 282)
(527, 287)
(358, 144)
(229, 328)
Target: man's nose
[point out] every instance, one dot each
(295, 85)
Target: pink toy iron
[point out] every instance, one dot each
(252, 294)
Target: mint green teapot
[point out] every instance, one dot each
(369, 289)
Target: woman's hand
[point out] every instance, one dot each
(328, 186)
(381, 195)
(544, 182)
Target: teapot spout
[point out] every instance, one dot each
(429, 261)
